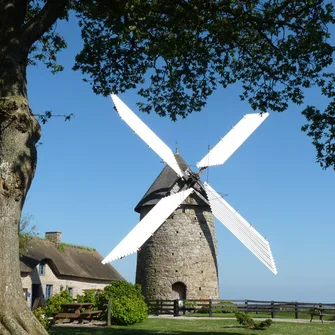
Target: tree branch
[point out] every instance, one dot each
(44, 20)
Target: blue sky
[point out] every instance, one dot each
(93, 170)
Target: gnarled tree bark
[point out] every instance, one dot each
(19, 133)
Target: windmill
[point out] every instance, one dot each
(176, 207)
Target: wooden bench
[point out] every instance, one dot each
(89, 315)
(64, 315)
(322, 311)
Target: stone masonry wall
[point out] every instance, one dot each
(182, 250)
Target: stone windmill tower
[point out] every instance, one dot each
(179, 261)
(175, 238)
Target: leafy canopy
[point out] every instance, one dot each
(176, 53)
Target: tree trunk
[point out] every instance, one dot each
(19, 132)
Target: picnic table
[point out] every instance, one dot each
(73, 311)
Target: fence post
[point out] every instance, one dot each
(272, 309)
(109, 311)
(157, 307)
(210, 308)
(296, 311)
(246, 306)
(161, 311)
(176, 307)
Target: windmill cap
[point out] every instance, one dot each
(163, 183)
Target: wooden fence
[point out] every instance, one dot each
(210, 307)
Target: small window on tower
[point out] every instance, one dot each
(199, 288)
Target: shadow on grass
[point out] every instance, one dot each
(128, 331)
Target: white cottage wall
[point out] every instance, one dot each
(78, 285)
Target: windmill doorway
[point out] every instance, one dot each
(179, 291)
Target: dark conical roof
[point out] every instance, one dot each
(162, 185)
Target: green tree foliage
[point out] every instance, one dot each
(248, 322)
(128, 305)
(176, 53)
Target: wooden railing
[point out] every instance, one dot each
(210, 307)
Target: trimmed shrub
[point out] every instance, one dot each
(248, 322)
(127, 311)
(128, 305)
(89, 296)
(264, 324)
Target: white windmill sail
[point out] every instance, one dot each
(233, 140)
(148, 225)
(243, 230)
(146, 134)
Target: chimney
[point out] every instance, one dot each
(54, 237)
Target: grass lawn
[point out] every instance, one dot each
(199, 327)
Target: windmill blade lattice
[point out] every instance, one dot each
(243, 230)
(148, 225)
(147, 135)
(255, 242)
(233, 140)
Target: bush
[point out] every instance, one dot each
(41, 317)
(203, 310)
(89, 296)
(128, 305)
(53, 305)
(248, 322)
(264, 324)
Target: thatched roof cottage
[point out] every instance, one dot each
(50, 266)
